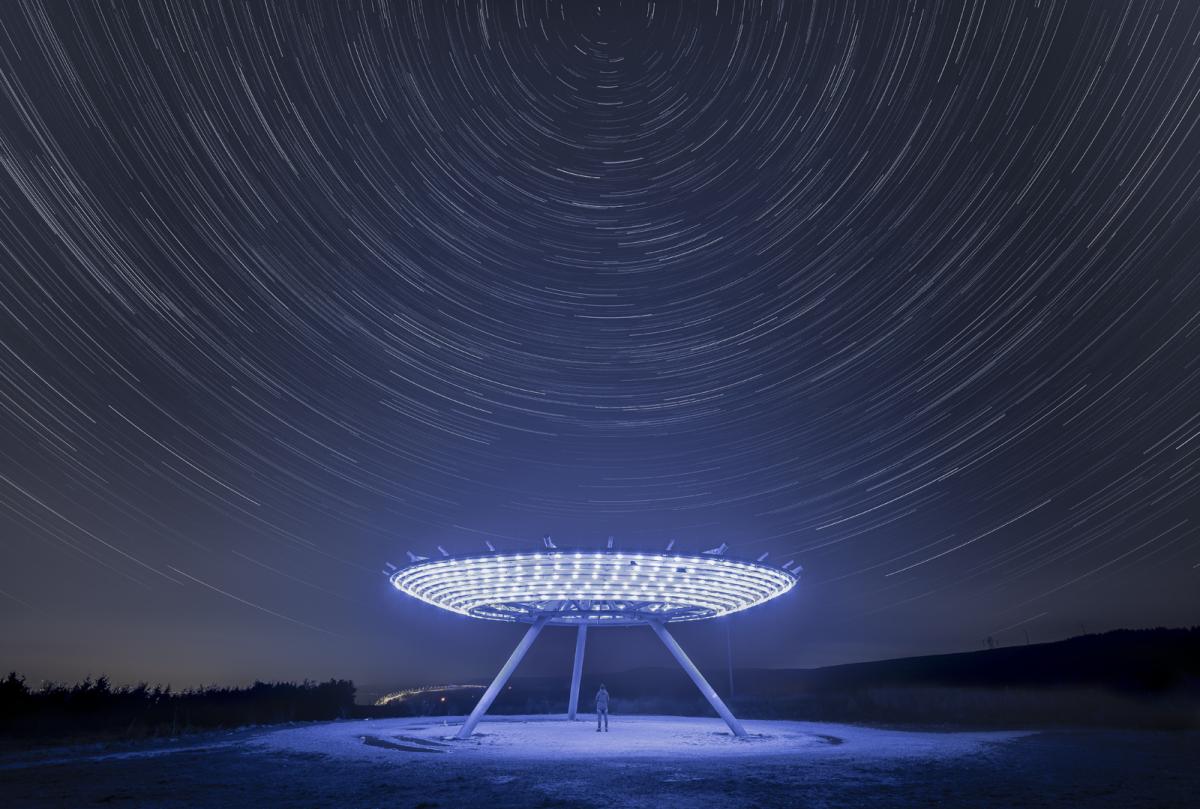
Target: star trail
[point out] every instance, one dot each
(907, 292)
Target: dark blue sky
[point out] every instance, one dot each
(907, 292)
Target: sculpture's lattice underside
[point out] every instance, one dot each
(573, 587)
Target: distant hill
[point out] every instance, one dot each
(1128, 678)
(1128, 660)
(1144, 660)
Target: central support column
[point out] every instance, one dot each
(577, 671)
(489, 696)
(698, 678)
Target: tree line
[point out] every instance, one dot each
(96, 707)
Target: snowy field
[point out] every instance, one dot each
(641, 762)
(638, 737)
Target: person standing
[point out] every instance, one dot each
(602, 708)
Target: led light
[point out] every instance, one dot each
(513, 587)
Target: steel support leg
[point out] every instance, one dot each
(698, 679)
(577, 671)
(489, 696)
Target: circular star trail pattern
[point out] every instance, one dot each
(908, 293)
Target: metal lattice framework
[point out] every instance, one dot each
(570, 587)
(583, 588)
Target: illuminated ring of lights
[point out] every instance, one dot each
(595, 587)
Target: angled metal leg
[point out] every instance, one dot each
(489, 696)
(698, 679)
(577, 671)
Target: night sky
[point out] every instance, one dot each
(908, 292)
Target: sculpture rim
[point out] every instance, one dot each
(591, 587)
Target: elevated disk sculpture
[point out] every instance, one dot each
(595, 588)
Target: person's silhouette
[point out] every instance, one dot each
(602, 708)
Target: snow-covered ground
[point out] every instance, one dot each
(537, 737)
(643, 762)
